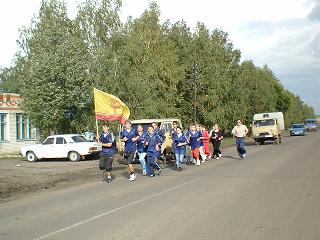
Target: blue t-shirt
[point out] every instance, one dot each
(160, 134)
(173, 132)
(107, 138)
(194, 143)
(151, 143)
(179, 139)
(129, 145)
(201, 140)
(141, 148)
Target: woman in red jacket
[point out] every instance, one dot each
(206, 140)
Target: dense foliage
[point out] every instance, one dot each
(150, 66)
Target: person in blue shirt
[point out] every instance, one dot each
(201, 151)
(129, 136)
(106, 140)
(153, 143)
(162, 137)
(179, 146)
(142, 149)
(173, 131)
(195, 144)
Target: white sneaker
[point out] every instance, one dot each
(220, 155)
(217, 158)
(132, 177)
(198, 162)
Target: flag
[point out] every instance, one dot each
(109, 107)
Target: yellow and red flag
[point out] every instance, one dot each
(109, 107)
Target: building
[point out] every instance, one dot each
(15, 127)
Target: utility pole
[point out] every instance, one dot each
(194, 99)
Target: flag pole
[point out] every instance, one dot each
(97, 126)
(97, 130)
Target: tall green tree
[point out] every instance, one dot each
(55, 88)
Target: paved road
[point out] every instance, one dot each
(273, 194)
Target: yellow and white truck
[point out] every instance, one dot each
(268, 127)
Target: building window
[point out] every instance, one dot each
(24, 129)
(3, 127)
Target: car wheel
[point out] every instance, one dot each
(31, 157)
(74, 156)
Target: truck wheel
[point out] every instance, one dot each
(277, 140)
(74, 156)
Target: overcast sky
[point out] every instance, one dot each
(284, 34)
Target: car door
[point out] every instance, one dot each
(47, 148)
(60, 148)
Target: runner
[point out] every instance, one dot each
(206, 140)
(179, 146)
(194, 140)
(201, 151)
(106, 140)
(216, 138)
(129, 136)
(141, 149)
(158, 132)
(239, 132)
(153, 144)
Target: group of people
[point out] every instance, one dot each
(148, 146)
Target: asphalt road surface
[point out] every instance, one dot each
(273, 194)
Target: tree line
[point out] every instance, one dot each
(151, 66)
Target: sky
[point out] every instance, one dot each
(283, 34)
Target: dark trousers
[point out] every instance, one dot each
(240, 146)
(216, 148)
(152, 163)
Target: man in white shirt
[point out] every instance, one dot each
(239, 132)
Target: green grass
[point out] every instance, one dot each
(229, 141)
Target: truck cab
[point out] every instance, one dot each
(311, 124)
(267, 127)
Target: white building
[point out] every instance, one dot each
(15, 128)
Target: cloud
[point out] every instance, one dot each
(290, 48)
(315, 12)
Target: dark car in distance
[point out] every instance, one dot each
(298, 129)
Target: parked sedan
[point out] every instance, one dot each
(298, 129)
(72, 146)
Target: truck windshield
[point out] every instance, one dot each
(144, 125)
(311, 121)
(262, 123)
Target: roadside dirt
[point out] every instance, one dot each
(19, 178)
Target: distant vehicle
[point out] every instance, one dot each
(267, 126)
(165, 125)
(311, 124)
(72, 146)
(298, 129)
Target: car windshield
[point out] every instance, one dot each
(298, 126)
(78, 139)
(261, 123)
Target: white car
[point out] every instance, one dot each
(72, 146)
